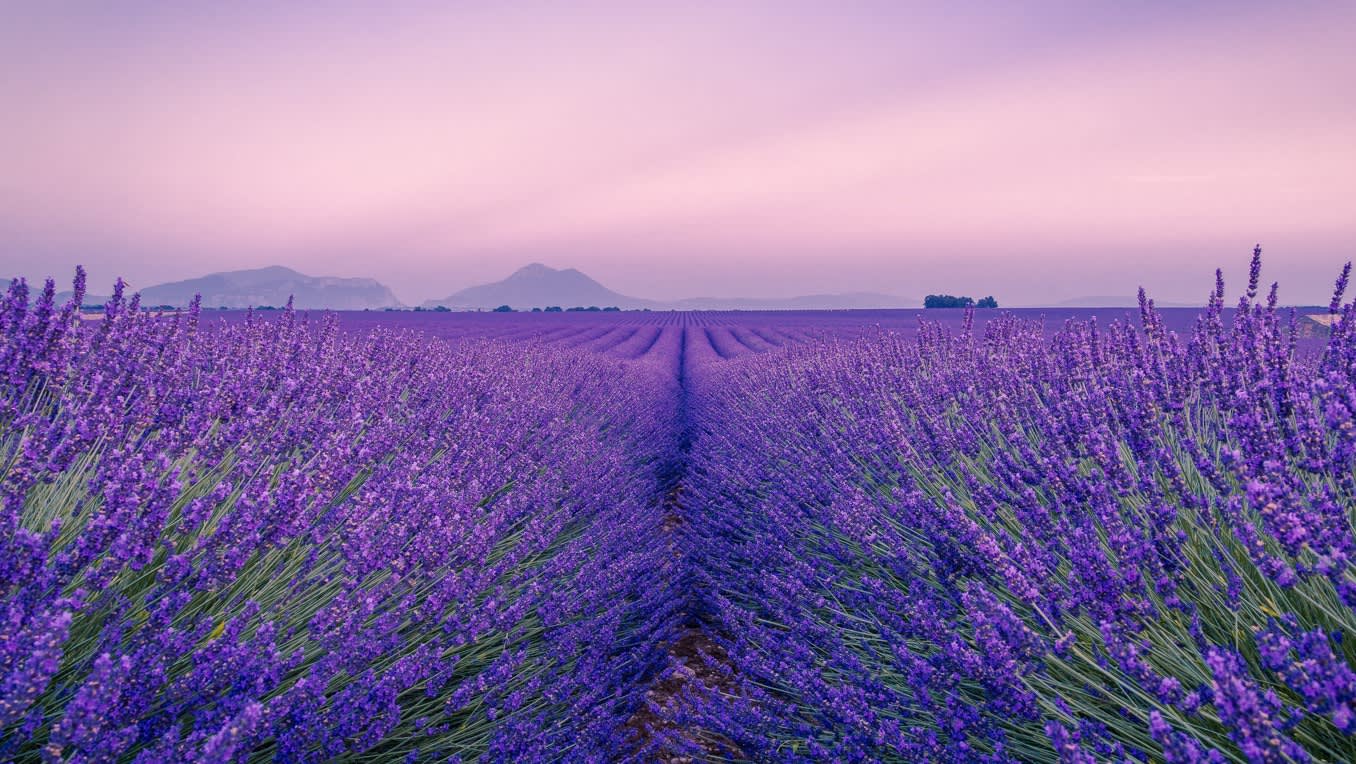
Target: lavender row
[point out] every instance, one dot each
(276, 540)
(1116, 543)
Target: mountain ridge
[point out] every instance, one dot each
(268, 286)
(534, 285)
(539, 286)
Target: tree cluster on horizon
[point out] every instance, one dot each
(951, 301)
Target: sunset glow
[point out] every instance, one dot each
(760, 149)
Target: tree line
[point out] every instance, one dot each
(952, 301)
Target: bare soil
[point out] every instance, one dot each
(698, 665)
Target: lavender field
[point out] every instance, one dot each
(953, 536)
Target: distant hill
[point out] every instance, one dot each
(90, 299)
(846, 301)
(1097, 301)
(540, 286)
(532, 286)
(268, 287)
(1117, 301)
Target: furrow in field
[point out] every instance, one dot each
(638, 344)
(726, 344)
(610, 340)
(754, 343)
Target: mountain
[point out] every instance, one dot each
(1119, 301)
(90, 299)
(1098, 301)
(846, 301)
(271, 287)
(540, 286)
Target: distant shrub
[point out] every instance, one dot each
(987, 302)
(503, 309)
(947, 301)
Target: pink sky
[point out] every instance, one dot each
(1059, 150)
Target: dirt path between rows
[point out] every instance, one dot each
(697, 664)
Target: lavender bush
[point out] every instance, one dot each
(1115, 544)
(277, 541)
(791, 537)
